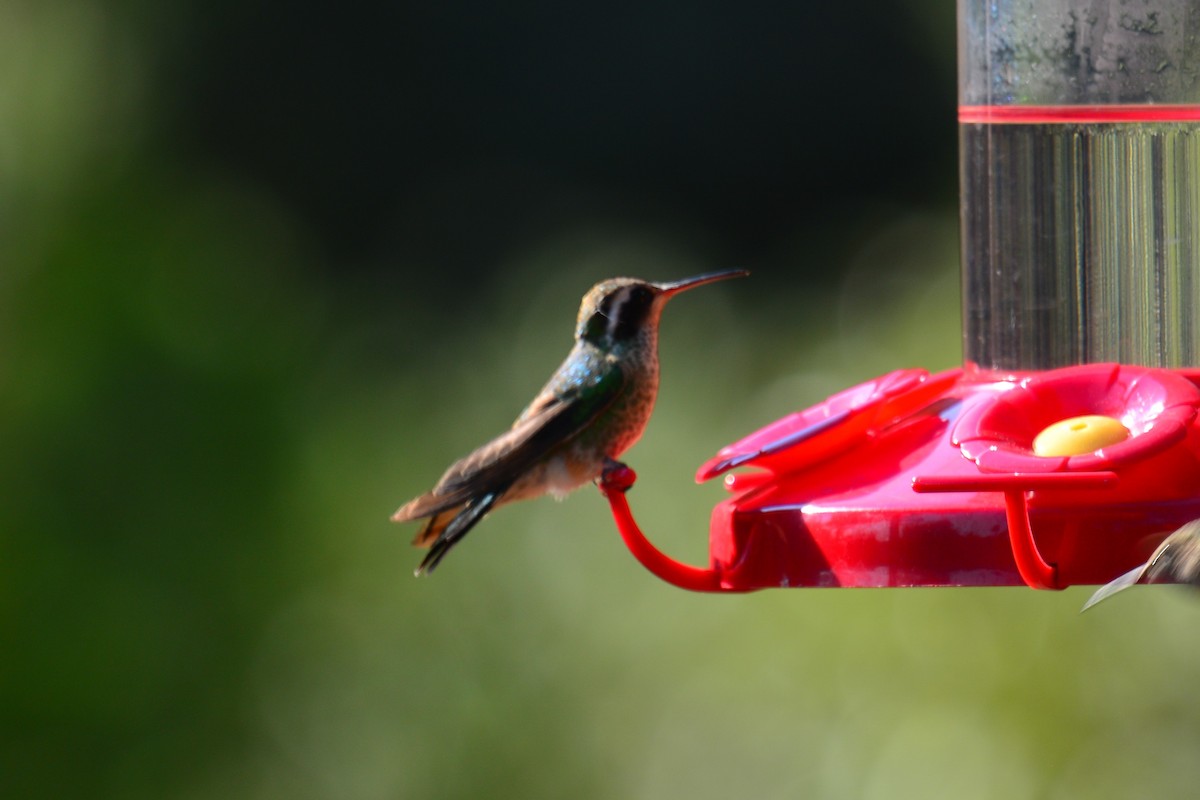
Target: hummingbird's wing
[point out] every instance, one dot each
(1122, 583)
(450, 533)
(561, 411)
(1176, 560)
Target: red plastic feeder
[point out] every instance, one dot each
(1067, 448)
(920, 480)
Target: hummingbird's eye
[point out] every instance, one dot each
(640, 297)
(628, 311)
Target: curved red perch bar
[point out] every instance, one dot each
(932, 480)
(613, 485)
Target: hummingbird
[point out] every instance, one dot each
(1177, 560)
(593, 408)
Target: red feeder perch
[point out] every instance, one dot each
(1067, 448)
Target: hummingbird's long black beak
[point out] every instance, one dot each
(675, 287)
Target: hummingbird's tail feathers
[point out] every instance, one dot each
(434, 526)
(1131, 578)
(428, 504)
(459, 527)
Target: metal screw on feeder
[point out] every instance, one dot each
(1066, 448)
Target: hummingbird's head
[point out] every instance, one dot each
(621, 310)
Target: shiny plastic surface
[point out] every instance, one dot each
(931, 480)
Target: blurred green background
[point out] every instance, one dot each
(267, 268)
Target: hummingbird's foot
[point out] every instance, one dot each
(615, 477)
